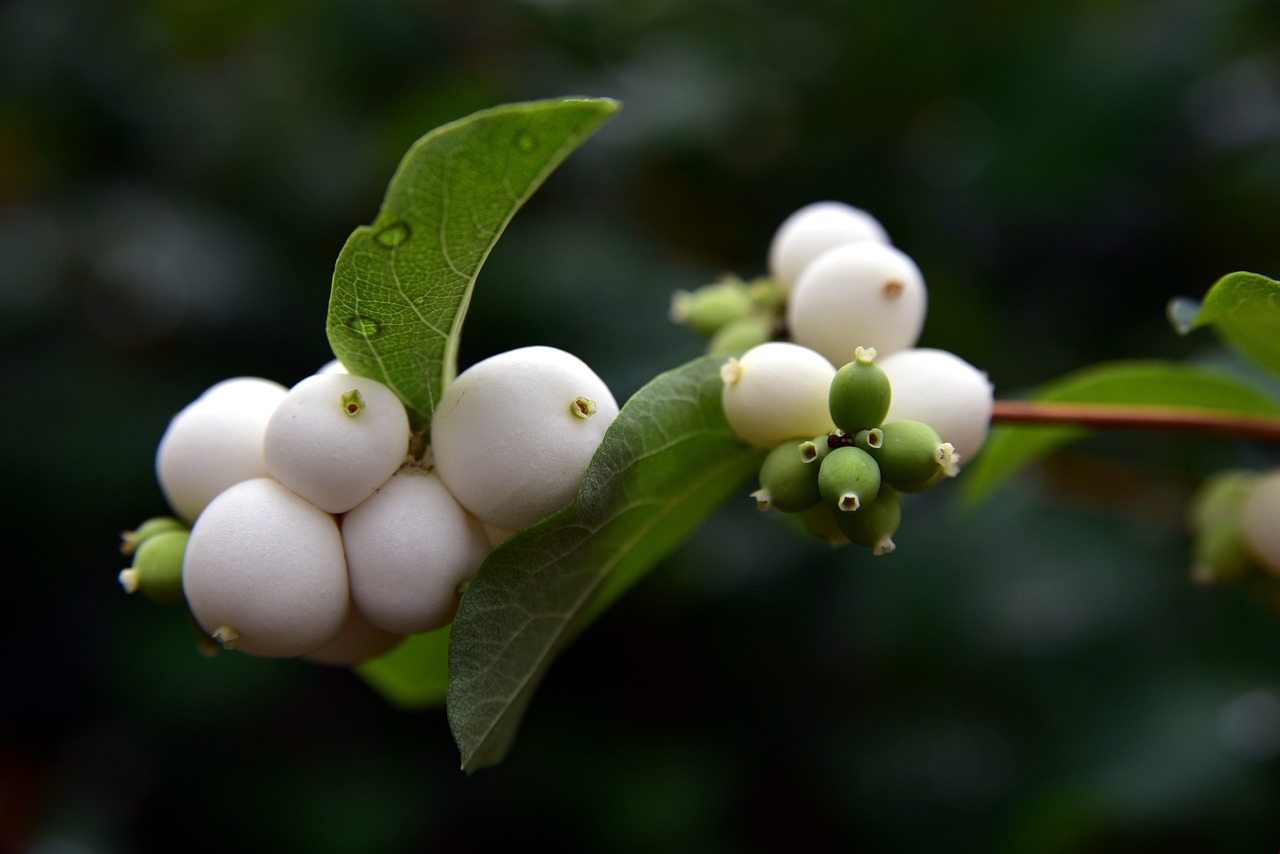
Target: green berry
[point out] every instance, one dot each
(849, 478)
(738, 336)
(787, 481)
(875, 524)
(131, 540)
(860, 393)
(156, 572)
(820, 521)
(709, 308)
(911, 453)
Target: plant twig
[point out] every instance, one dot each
(1238, 425)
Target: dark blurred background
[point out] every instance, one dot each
(1033, 675)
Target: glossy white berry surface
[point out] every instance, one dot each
(214, 442)
(333, 457)
(264, 571)
(1260, 521)
(942, 390)
(409, 547)
(863, 294)
(777, 391)
(513, 434)
(811, 231)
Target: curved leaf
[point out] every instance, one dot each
(401, 285)
(666, 462)
(1244, 309)
(1010, 448)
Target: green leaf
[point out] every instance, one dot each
(401, 285)
(667, 461)
(1244, 309)
(414, 674)
(1009, 448)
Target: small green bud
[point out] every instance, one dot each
(911, 454)
(738, 336)
(848, 478)
(787, 482)
(707, 309)
(156, 571)
(131, 540)
(875, 524)
(860, 393)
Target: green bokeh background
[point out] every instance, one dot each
(1035, 675)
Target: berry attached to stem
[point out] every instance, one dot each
(849, 478)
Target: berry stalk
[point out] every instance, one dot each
(1237, 425)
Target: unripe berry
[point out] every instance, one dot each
(911, 454)
(741, 335)
(131, 540)
(788, 481)
(848, 478)
(335, 438)
(812, 230)
(409, 547)
(821, 521)
(156, 571)
(1260, 521)
(512, 435)
(875, 523)
(214, 442)
(708, 309)
(777, 391)
(945, 392)
(264, 571)
(860, 393)
(861, 294)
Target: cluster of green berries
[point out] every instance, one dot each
(844, 479)
(314, 522)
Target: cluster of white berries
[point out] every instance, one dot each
(322, 527)
(837, 293)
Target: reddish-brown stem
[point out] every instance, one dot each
(1237, 425)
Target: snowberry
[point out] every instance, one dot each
(156, 571)
(848, 478)
(709, 308)
(335, 438)
(788, 479)
(910, 454)
(860, 294)
(359, 641)
(513, 434)
(859, 396)
(777, 391)
(875, 523)
(945, 392)
(409, 547)
(812, 230)
(214, 442)
(264, 571)
(1260, 520)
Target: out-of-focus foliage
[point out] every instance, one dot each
(176, 181)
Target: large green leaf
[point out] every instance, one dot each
(668, 460)
(1244, 309)
(401, 285)
(1009, 448)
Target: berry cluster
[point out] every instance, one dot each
(324, 527)
(843, 442)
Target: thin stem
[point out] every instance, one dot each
(1238, 425)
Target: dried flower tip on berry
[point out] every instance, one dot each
(352, 402)
(582, 407)
(225, 636)
(731, 371)
(129, 580)
(809, 450)
(948, 458)
(892, 290)
(873, 438)
(763, 500)
(865, 355)
(849, 502)
(680, 302)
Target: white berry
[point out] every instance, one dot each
(513, 434)
(215, 442)
(863, 294)
(777, 391)
(335, 438)
(409, 547)
(941, 390)
(264, 571)
(811, 231)
(359, 641)
(1260, 521)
